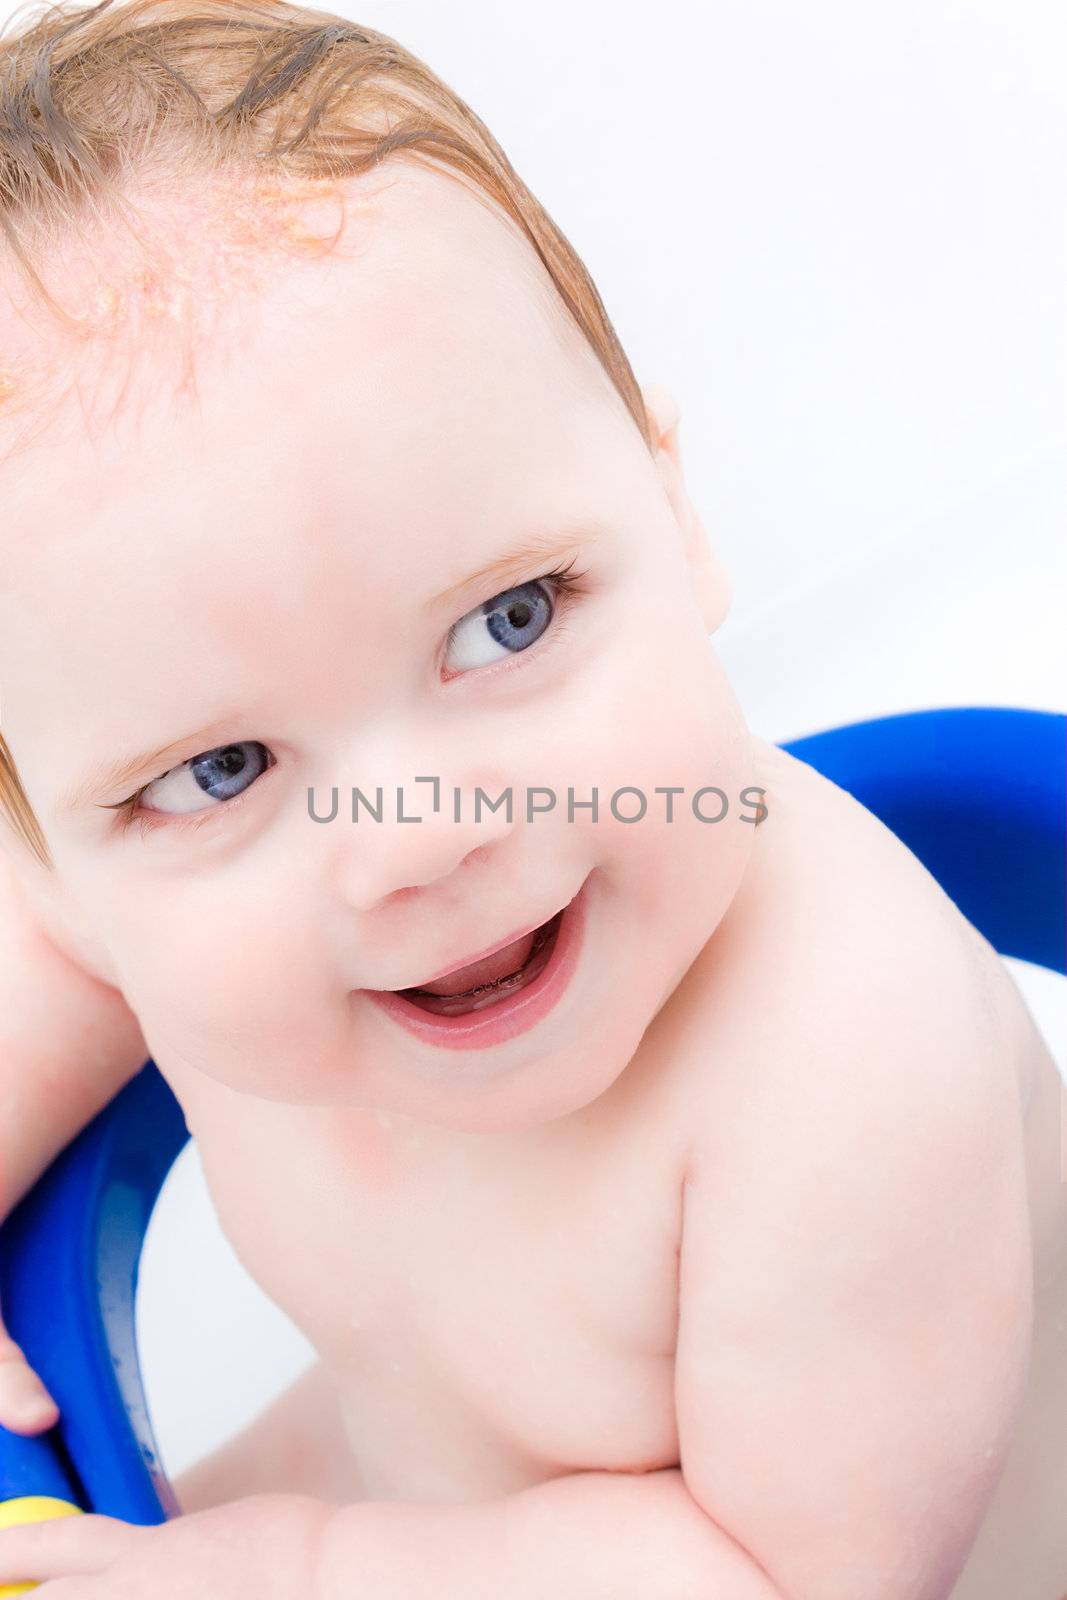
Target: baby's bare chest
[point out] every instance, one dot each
(491, 1323)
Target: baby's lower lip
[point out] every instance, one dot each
(504, 1009)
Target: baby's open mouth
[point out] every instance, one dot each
(482, 983)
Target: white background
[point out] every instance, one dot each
(836, 232)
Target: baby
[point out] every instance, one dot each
(664, 1171)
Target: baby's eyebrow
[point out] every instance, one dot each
(107, 776)
(493, 577)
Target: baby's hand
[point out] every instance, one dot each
(266, 1545)
(25, 1404)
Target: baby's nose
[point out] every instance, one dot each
(415, 843)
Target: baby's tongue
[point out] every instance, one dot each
(510, 959)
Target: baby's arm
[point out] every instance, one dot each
(856, 1272)
(68, 1043)
(298, 1445)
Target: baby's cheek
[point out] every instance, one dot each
(677, 728)
(232, 997)
(688, 855)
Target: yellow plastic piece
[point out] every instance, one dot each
(31, 1508)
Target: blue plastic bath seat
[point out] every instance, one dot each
(977, 793)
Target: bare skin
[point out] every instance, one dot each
(525, 1380)
(485, 1249)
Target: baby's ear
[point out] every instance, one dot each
(710, 583)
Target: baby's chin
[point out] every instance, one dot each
(459, 1097)
(528, 1097)
(559, 1073)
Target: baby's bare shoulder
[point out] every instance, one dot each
(844, 979)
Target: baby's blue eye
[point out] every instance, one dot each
(508, 623)
(217, 774)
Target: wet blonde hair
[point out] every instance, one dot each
(96, 100)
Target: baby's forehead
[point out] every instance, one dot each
(123, 292)
(424, 381)
(440, 270)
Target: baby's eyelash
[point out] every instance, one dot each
(127, 810)
(568, 584)
(125, 807)
(565, 577)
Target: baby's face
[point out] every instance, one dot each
(283, 584)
